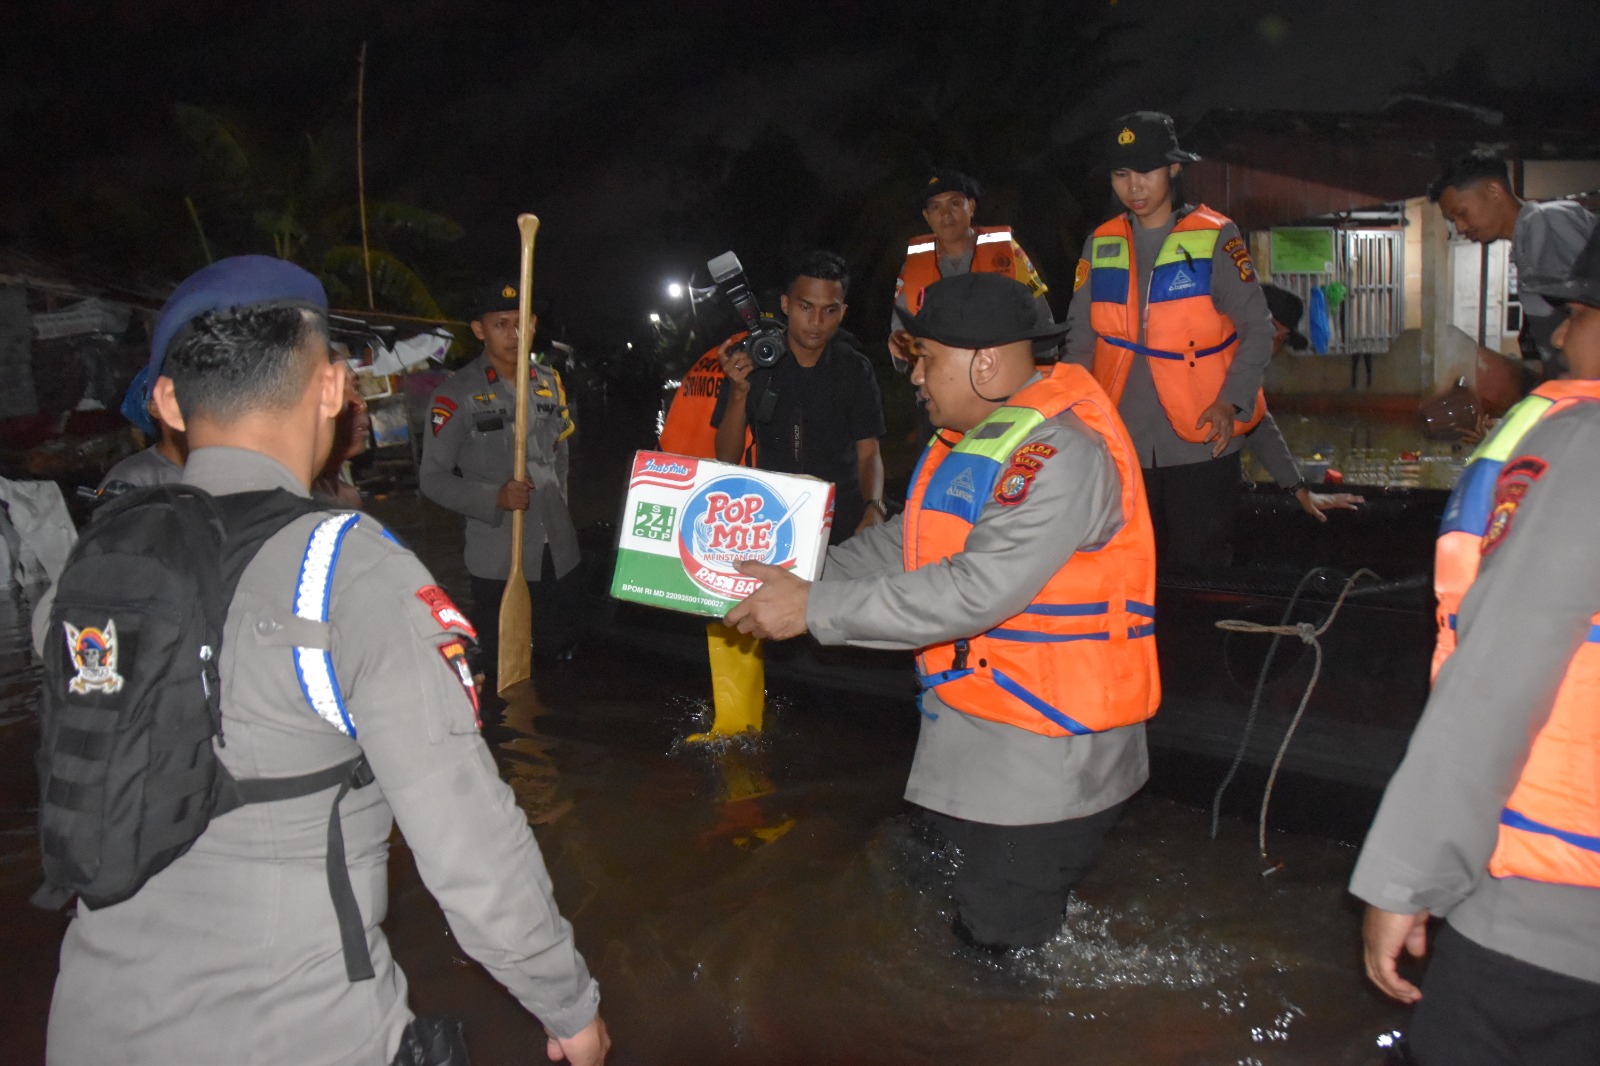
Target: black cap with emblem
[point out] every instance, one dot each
(1143, 141)
(494, 296)
(502, 296)
(943, 181)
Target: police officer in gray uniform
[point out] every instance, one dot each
(232, 954)
(1027, 811)
(466, 466)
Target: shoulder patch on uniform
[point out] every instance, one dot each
(455, 654)
(444, 610)
(1044, 451)
(1080, 275)
(1026, 462)
(1509, 490)
(1236, 250)
(443, 408)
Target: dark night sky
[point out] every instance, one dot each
(651, 136)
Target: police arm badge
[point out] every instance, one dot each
(443, 408)
(1026, 462)
(1510, 488)
(1240, 255)
(454, 653)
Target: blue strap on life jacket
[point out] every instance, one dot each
(1156, 353)
(1517, 820)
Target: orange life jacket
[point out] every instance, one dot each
(1550, 826)
(687, 428)
(1189, 343)
(1081, 658)
(1467, 514)
(994, 254)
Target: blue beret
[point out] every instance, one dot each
(136, 404)
(243, 282)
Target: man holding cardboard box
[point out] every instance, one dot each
(1023, 574)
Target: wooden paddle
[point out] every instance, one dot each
(516, 610)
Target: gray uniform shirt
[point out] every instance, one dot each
(1234, 295)
(232, 954)
(143, 469)
(1519, 626)
(965, 766)
(1266, 443)
(1545, 241)
(467, 457)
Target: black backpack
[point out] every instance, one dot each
(130, 699)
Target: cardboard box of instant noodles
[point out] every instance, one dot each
(688, 523)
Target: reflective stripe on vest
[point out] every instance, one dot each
(921, 267)
(1180, 325)
(1085, 643)
(312, 592)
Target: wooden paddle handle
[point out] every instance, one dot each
(528, 227)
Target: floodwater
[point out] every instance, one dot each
(1369, 450)
(771, 901)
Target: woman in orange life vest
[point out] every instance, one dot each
(1168, 313)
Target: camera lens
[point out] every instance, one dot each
(766, 348)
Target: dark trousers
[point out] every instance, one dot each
(1192, 509)
(1482, 1008)
(1012, 883)
(1356, 358)
(555, 626)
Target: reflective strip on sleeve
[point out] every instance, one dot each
(313, 588)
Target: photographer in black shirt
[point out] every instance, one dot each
(816, 410)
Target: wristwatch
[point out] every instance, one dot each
(879, 504)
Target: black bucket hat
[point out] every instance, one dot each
(1143, 141)
(1287, 309)
(979, 311)
(1581, 285)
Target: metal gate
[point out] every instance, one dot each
(1371, 266)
